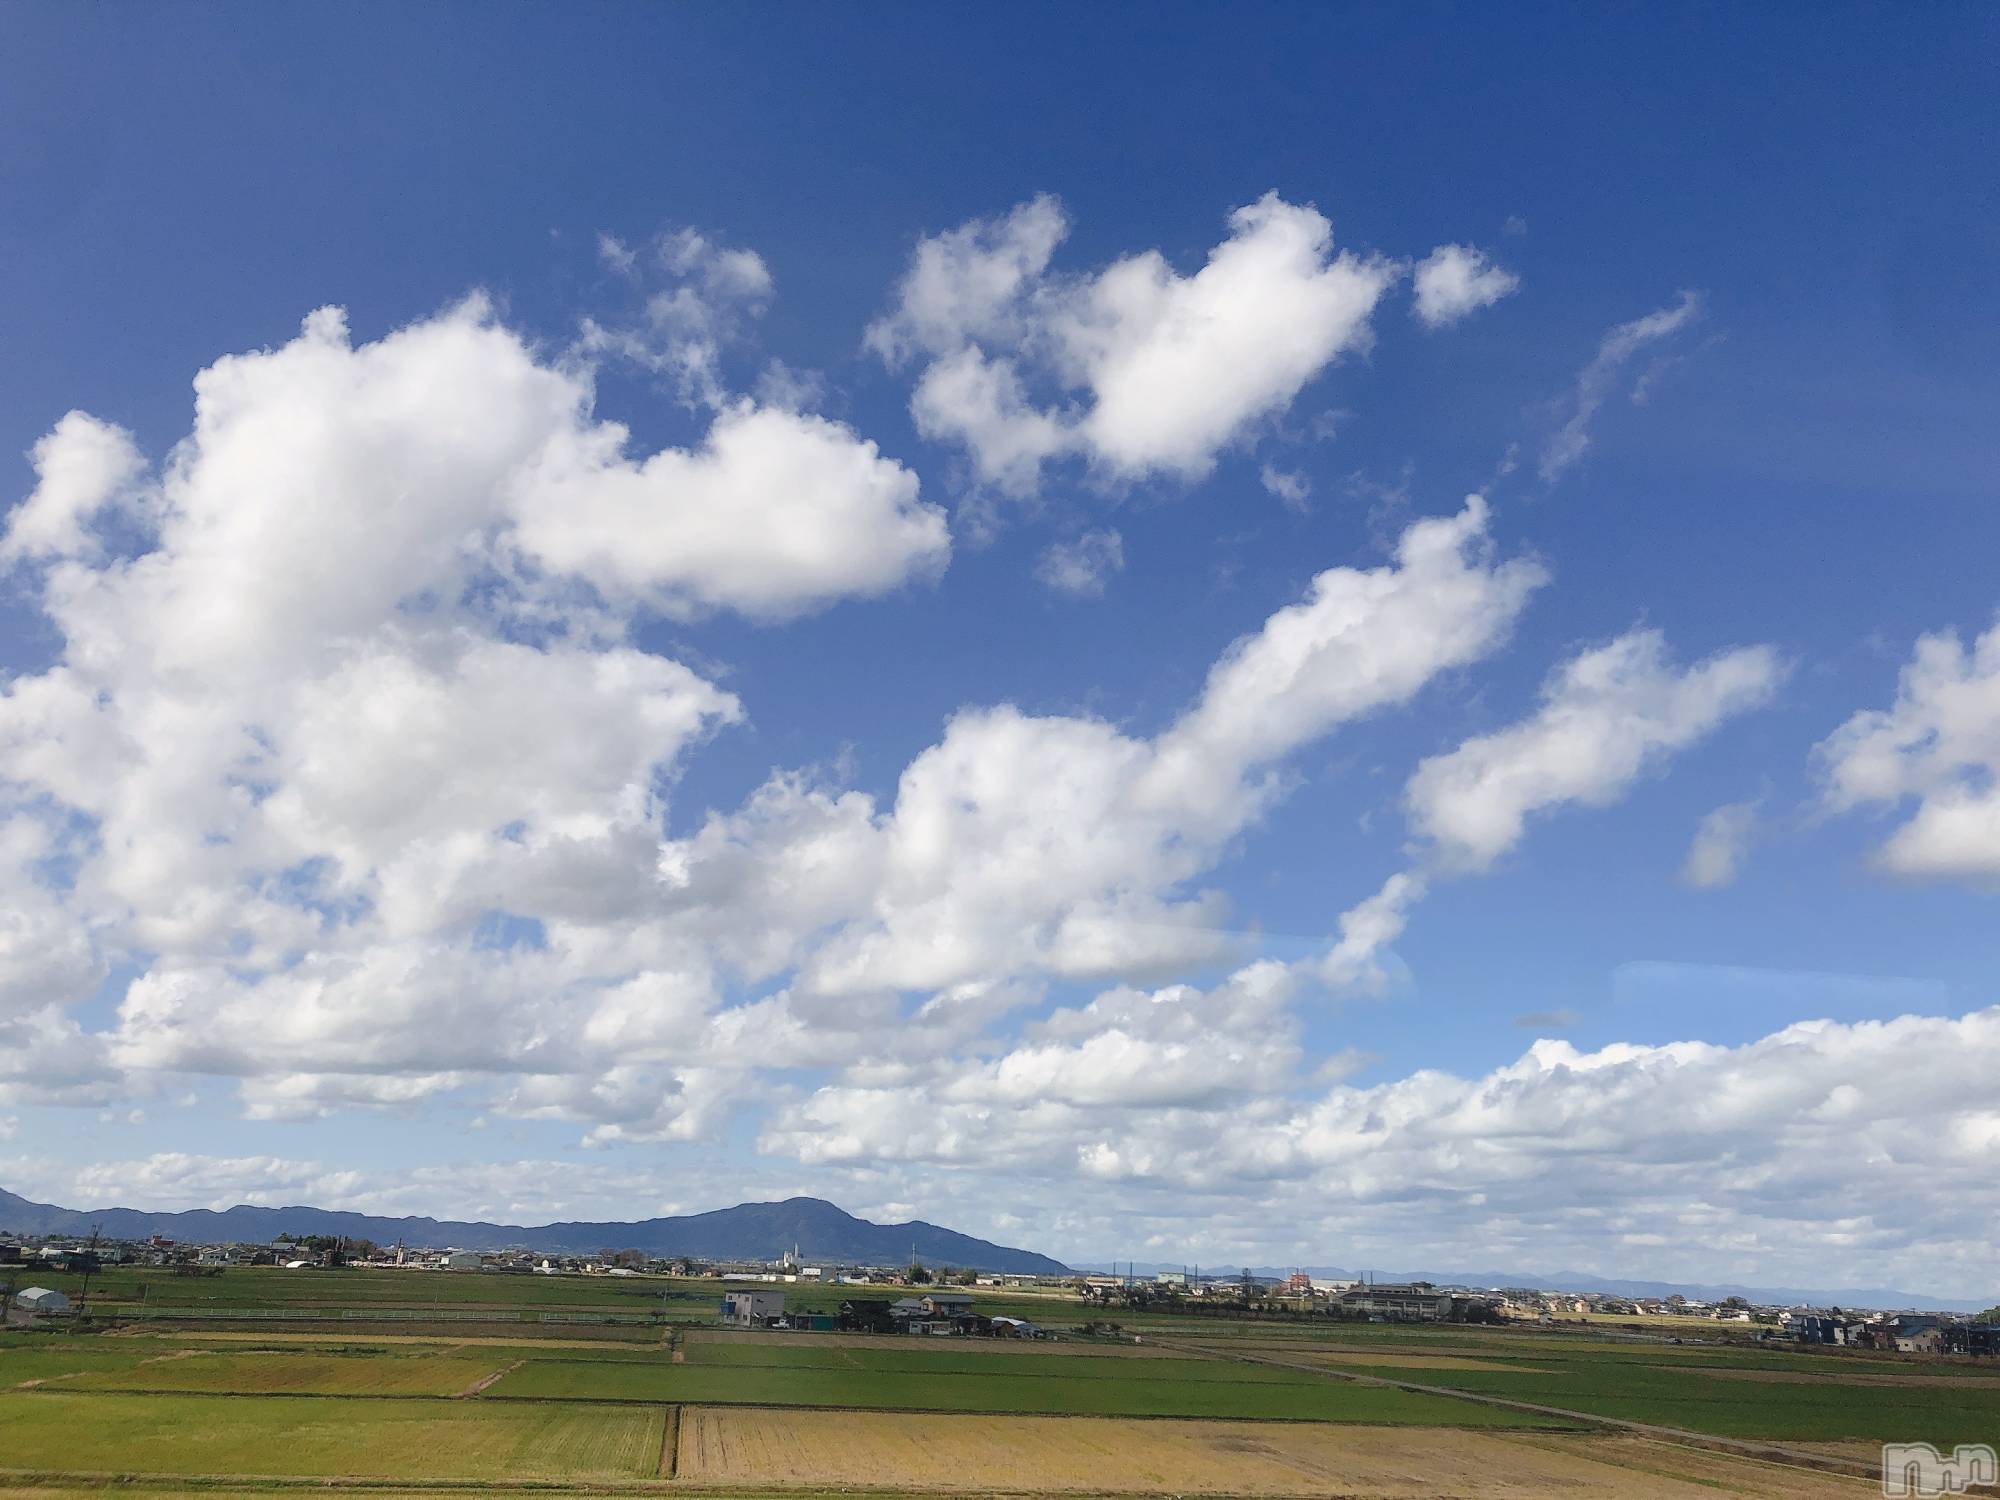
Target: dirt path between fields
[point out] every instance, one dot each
(670, 1444)
(485, 1380)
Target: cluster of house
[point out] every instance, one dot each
(1380, 1302)
(156, 1251)
(317, 1252)
(1907, 1333)
(943, 1310)
(939, 1314)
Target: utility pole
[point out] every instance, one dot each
(89, 1270)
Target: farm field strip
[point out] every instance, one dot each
(926, 1357)
(1389, 1359)
(782, 1339)
(391, 1440)
(1507, 1350)
(1888, 1410)
(1670, 1404)
(231, 1373)
(811, 1449)
(1970, 1380)
(1302, 1399)
(364, 1343)
(436, 1381)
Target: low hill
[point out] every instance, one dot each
(749, 1231)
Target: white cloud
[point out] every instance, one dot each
(1359, 641)
(1558, 1158)
(82, 468)
(1079, 567)
(1454, 281)
(972, 283)
(407, 847)
(1938, 744)
(46, 957)
(1367, 929)
(1062, 844)
(1720, 843)
(1594, 383)
(355, 691)
(1154, 372)
(704, 298)
(47, 1058)
(1177, 1118)
(1607, 716)
(776, 513)
(1293, 490)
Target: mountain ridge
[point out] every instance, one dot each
(746, 1231)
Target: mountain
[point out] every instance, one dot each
(1873, 1298)
(749, 1231)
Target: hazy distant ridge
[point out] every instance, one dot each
(749, 1231)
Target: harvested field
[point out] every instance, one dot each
(1084, 1454)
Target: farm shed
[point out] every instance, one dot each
(41, 1300)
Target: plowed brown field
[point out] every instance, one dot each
(760, 1447)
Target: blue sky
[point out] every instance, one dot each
(417, 799)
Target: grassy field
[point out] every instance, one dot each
(1742, 1394)
(271, 1436)
(1821, 1407)
(386, 1378)
(200, 1371)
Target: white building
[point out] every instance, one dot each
(41, 1300)
(752, 1309)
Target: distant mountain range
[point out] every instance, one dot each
(1874, 1298)
(749, 1231)
(821, 1231)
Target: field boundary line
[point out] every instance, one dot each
(1579, 1420)
(1759, 1450)
(670, 1444)
(224, 1484)
(114, 1480)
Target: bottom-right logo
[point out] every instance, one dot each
(1920, 1469)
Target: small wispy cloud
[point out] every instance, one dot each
(1715, 858)
(1595, 382)
(1292, 489)
(1080, 568)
